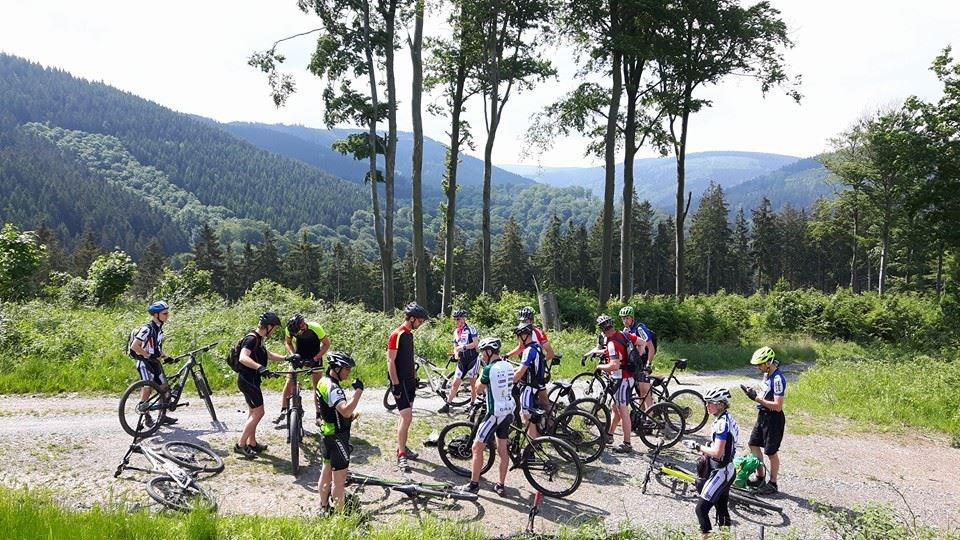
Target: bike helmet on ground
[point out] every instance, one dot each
(269, 318)
(718, 394)
(628, 311)
(762, 356)
(414, 309)
(604, 322)
(489, 343)
(340, 359)
(525, 313)
(523, 329)
(459, 313)
(294, 322)
(157, 307)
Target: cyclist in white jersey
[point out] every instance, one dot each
(719, 473)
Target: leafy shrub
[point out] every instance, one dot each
(21, 254)
(187, 285)
(578, 307)
(110, 276)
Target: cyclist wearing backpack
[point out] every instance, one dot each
(145, 346)
(310, 341)
(719, 455)
(337, 414)
(648, 351)
(252, 369)
(530, 375)
(621, 358)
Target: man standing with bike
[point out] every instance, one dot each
(465, 340)
(308, 340)
(716, 472)
(337, 415)
(767, 433)
(253, 368)
(145, 346)
(647, 351)
(622, 379)
(530, 375)
(403, 376)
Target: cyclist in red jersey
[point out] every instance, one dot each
(403, 376)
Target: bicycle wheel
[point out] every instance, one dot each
(693, 407)
(551, 466)
(582, 431)
(192, 456)
(203, 388)
(463, 393)
(661, 425)
(594, 407)
(168, 492)
(739, 496)
(388, 402)
(587, 384)
(417, 490)
(294, 426)
(142, 420)
(553, 397)
(455, 445)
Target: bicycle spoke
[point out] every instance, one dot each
(552, 467)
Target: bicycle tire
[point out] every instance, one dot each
(166, 491)
(557, 460)
(455, 445)
(584, 432)
(738, 496)
(692, 401)
(661, 425)
(389, 403)
(192, 456)
(294, 426)
(587, 390)
(203, 388)
(552, 396)
(130, 413)
(594, 407)
(463, 393)
(444, 493)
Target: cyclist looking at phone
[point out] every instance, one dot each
(337, 414)
(715, 469)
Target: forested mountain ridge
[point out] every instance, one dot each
(798, 184)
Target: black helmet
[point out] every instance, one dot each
(414, 309)
(338, 359)
(269, 318)
(523, 329)
(604, 322)
(293, 323)
(525, 313)
(459, 313)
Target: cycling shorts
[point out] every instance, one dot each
(249, 386)
(336, 451)
(408, 392)
(528, 399)
(717, 483)
(468, 366)
(768, 431)
(151, 371)
(493, 424)
(622, 390)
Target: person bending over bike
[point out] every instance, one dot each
(337, 414)
(715, 468)
(530, 375)
(253, 368)
(465, 340)
(146, 347)
(308, 340)
(648, 349)
(622, 380)
(767, 433)
(403, 376)
(497, 382)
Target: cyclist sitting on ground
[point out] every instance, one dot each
(465, 340)
(497, 381)
(253, 368)
(530, 375)
(308, 340)
(145, 346)
(337, 415)
(767, 433)
(714, 488)
(622, 380)
(647, 351)
(403, 376)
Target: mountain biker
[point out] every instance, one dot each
(145, 346)
(714, 488)
(767, 433)
(530, 375)
(497, 381)
(465, 340)
(337, 414)
(403, 376)
(308, 340)
(525, 315)
(253, 368)
(647, 352)
(622, 380)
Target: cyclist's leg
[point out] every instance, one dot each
(756, 444)
(340, 465)
(715, 485)
(325, 483)
(146, 374)
(405, 418)
(527, 404)
(503, 435)
(643, 389)
(287, 392)
(771, 444)
(315, 378)
(254, 398)
(621, 402)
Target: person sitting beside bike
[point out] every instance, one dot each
(253, 368)
(465, 340)
(497, 383)
(715, 468)
(337, 414)
(621, 379)
(530, 375)
(310, 342)
(648, 350)
(767, 433)
(146, 347)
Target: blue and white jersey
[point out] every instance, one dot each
(532, 357)
(725, 428)
(774, 384)
(464, 336)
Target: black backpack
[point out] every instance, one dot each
(233, 357)
(634, 361)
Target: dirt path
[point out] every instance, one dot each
(72, 445)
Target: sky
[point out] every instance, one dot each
(854, 56)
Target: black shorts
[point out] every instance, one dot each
(249, 386)
(408, 392)
(468, 365)
(336, 451)
(768, 431)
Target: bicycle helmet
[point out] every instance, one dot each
(414, 309)
(459, 313)
(628, 311)
(525, 313)
(269, 318)
(604, 322)
(489, 343)
(523, 329)
(157, 307)
(294, 322)
(762, 356)
(718, 394)
(338, 359)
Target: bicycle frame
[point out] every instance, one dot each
(178, 380)
(159, 465)
(435, 374)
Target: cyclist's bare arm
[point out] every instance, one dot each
(516, 350)
(547, 350)
(248, 360)
(288, 342)
(519, 373)
(346, 409)
(714, 449)
(392, 366)
(324, 347)
(137, 348)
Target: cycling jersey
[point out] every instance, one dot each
(539, 336)
(331, 394)
(401, 340)
(308, 344)
(498, 377)
(774, 384)
(150, 336)
(725, 428)
(617, 348)
(536, 370)
(254, 343)
(464, 336)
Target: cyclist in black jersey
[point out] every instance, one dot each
(337, 414)
(310, 341)
(253, 367)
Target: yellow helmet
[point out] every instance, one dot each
(762, 356)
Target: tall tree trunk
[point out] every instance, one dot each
(419, 252)
(390, 159)
(681, 213)
(939, 284)
(854, 286)
(884, 249)
(493, 53)
(610, 164)
(629, 152)
(452, 163)
(374, 192)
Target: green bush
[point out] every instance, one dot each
(110, 276)
(187, 285)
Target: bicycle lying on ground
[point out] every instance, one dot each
(143, 418)
(295, 416)
(682, 479)
(413, 490)
(437, 379)
(176, 487)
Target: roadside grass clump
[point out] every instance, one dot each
(875, 521)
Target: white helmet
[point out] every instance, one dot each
(718, 394)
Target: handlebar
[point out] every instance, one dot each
(297, 371)
(196, 351)
(583, 359)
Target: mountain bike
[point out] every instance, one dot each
(413, 490)
(295, 417)
(682, 478)
(549, 464)
(143, 418)
(176, 488)
(437, 379)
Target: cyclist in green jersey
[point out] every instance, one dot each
(337, 414)
(310, 341)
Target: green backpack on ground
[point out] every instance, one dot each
(745, 466)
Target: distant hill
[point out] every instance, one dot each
(798, 184)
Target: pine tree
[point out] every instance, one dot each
(86, 252)
(548, 260)
(266, 262)
(302, 267)
(511, 264)
(709, 242)
(232, 275)
(740, 280)
(208, 256)
(151, 268)
(642, 241)
(796, 257)
(663, 253)
(247, 268)
(765, 245)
